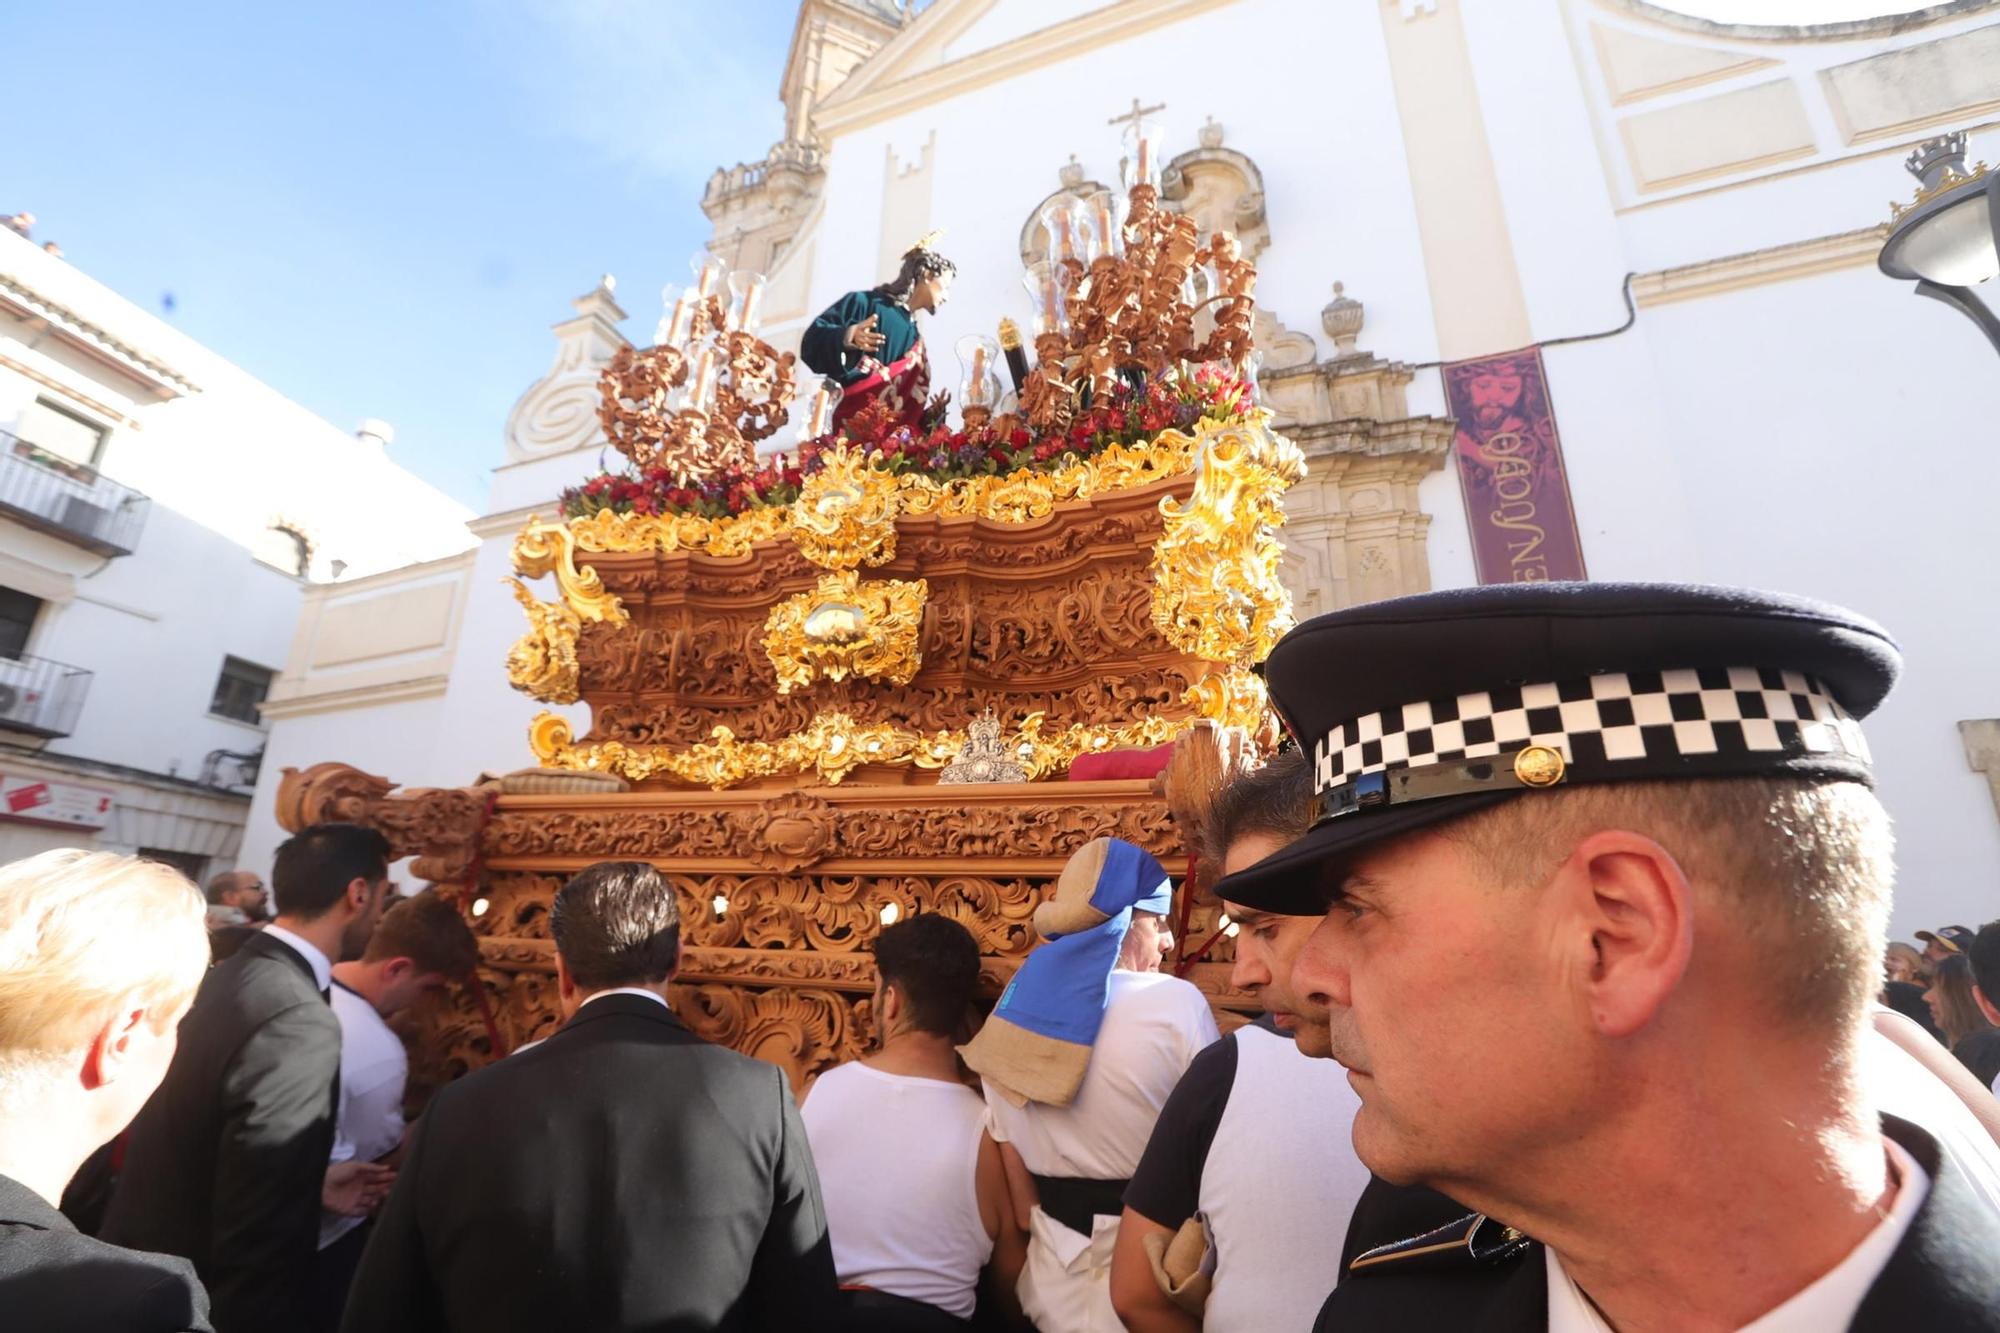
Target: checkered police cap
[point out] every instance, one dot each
(1425, 708)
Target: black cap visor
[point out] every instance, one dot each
(1303, 877)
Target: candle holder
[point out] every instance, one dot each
(746, 291)
(1116, 302)
(1068, 234)
(698, 400)
(819, 418)
(1048, 282)
(1142, 161)
(1108, 211)
(979, 388)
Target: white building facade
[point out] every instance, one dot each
(1678, 218)
(162, 515)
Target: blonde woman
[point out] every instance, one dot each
(100, 956)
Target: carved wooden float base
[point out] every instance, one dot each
(780, 893)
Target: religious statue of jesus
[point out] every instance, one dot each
(867, 341)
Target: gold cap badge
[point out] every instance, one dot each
(1539, 766)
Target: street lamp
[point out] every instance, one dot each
(1948, 238)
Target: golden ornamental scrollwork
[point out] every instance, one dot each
(613, 533)
(1216, 591)
(1016, 497)
(847, 626)
(545, 548)
(542, 662)
(833, 746)
(1236, 697)
(845, 516)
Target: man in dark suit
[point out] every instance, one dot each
(623, 1174)
(226, 1163)
(1602, 885)
(99, 957)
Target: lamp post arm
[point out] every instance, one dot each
(1962, 300)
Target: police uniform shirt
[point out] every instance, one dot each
(1829, 1303)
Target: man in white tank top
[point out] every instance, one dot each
(1265, 1207)
(916, 1198)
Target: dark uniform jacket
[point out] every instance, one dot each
(1479, 1274)
(53, 1279)
(224, 1163)
(623, 1174)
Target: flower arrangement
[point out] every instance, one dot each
(1124, 417)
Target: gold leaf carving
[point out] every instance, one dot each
(845, 627)
(1216, 592)
(845, 516)
(542, 662)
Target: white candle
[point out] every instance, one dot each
(975, 394)
(1065, 236)
(677, 327)
(1145, 158)
(747, 318)
(711, 271)
(822, 411)
(1107, 227)
(698, 387)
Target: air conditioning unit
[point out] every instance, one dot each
(81, 516)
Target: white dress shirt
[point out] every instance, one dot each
(322, 970)
(1829, 1303)
(652, 995)
(374, 1068)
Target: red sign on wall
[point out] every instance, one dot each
(1510, 469)
(43, 802)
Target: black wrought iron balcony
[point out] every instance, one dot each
(40, 696)
(68, 500)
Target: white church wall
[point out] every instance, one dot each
(1338, 194)
(1817, 461)
(396, 740)
(485, 720)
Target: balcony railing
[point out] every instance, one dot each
(40, 696)
(67, 500)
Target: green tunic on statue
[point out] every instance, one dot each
(898, 372)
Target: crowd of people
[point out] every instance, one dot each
(1528, 1058)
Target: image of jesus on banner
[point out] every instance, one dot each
(1510, 469)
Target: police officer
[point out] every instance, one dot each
(1604, 883)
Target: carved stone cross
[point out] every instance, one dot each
(1136, 113)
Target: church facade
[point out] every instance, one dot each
(1571, 288)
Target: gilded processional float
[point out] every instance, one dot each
(909, 669)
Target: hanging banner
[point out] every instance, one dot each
(1510, 469)
(38, 801)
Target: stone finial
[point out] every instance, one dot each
(1341, 318)
(1934, 160)
(1211, 133)
(1071, 173)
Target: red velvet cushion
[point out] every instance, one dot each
(1105, 765)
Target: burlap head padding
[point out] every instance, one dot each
(1068, 910)
(1026, 1066)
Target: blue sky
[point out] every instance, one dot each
(379, 208)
